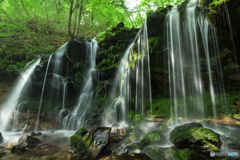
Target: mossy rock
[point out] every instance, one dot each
(81, 131)
(193, 135)
(133, 146)
(156, 153)
(75, 139)
(153, 137)
(185, 154)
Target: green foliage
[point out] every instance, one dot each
(183, 154)
(27, 122)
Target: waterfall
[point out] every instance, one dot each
(133, 62)
(25, 126)
(76, 119)
(184, 62)
(9, 106)
(40, 104)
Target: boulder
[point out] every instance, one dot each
(122, 149)
(92, 143)
(156, 153)
(28, 141)
(153, 137)
(18, 149)
(35, 134)
(1, 138)
(135, 156)
(194, 136)
(46, 149)
(133, 146)
(77, 137)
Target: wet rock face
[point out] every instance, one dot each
(193, 135)
(1, 138)
(153, 137)
(28, 141)
(18, 149)
(47, 149)
(92, 143)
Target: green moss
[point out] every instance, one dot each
(182, 133)
(183, 154)
(155, 153)
(81, 131)
(75, 139)
(128, 130)
(84, 143)
(133, 146)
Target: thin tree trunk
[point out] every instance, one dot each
(46, 12)
(139, 15)
(81, 12)
(24, 7)
(70, 19)
(127, 13)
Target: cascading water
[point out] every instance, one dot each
(120, 94)
(76, 119)
(184, 61)
(40, 104)
(8, 108)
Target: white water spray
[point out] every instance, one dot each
(8, 108)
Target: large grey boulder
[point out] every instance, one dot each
(92, 143)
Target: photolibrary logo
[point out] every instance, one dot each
(233, 154)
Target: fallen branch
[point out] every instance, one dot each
(11, 35)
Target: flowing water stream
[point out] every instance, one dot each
(9, 106)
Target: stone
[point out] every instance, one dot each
(35, 134)
(28, 141)
(1, 138)
(185, 153)
(194, 136)
(18, 149)
(77, 137)
(122, 149)
(133, 156)
(153, 137)
(81, 131)
(133, 146)
(92, 143)
(46, 149)
(156, 153)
